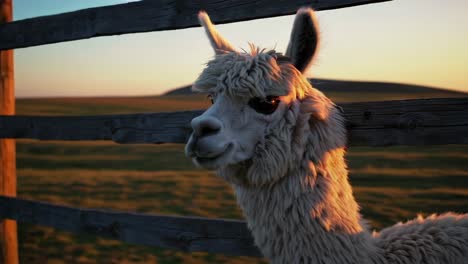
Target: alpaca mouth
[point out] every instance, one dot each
(216, 160)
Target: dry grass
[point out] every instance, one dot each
(162, 192)
(416, 172)
(408, 155)
(109, 105)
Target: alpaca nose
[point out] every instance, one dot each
(206, 126)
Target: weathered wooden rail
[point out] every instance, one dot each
(405, 122)
(188, 234)
(408, 122)
(148, 15)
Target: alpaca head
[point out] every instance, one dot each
(263, 108)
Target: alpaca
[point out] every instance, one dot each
(281, 145)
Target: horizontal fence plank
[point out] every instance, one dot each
(408, 122)
(148, 15)
(405, 122)
(134, 128)
(190, 234)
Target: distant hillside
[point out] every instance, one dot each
(338, 87)
(177, 99)
(180, 91)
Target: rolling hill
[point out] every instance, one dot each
(344, 90)
(184, 99)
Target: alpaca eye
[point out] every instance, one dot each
(266, 105)
(210, 97)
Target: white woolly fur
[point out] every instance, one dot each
(293, 188)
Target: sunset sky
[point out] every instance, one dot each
(410, 41)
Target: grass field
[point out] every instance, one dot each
(392, 184)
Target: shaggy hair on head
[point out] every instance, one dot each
(259, 73)
(249, 74)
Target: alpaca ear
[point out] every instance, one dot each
(219, 44)
(304, 39)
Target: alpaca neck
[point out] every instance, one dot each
(310, 216)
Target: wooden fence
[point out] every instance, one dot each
(408, 122)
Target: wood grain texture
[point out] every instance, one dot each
(8, 228)
(406, 122)
(134, 128)
(148, 15)
(188, 234)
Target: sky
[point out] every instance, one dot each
(421, 42)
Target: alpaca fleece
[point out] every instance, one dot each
(294, 188)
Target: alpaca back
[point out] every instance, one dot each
(435, 239)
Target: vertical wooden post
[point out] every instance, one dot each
(8, 229)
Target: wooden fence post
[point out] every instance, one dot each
(8, 229)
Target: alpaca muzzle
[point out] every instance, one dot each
(208, 145)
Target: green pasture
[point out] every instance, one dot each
(392, 184)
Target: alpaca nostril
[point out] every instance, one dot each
(206, 126)
(206, 131)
